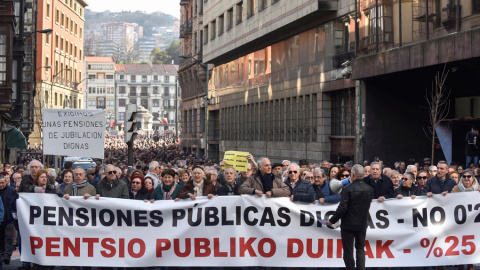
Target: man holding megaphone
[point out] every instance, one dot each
(353, 212)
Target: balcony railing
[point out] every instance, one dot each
(186, 28)
(132, 94)
(144, 95)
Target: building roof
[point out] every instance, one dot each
(147, 68)
(99, 59)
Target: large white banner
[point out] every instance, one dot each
(243, 231)
(73, 132)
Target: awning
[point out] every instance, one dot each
(14, 138)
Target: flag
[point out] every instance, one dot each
(165, 120)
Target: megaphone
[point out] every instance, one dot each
(337, 185)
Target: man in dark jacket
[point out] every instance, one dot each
(382, 184)
(472, 147)
(7, 227)
(441, 183)
(300, 189)
(353, 211)
(27, 180)
(111, 186)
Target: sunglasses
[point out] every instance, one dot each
(422, 177)
(405, 179)
(112, 172)
(345, 175)
(136, 183)
(467, 176)
(309, 177)
(290, 172)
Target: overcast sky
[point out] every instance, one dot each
(171, 7)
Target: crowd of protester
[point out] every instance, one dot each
(163, 172)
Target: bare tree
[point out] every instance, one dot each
(438, 105)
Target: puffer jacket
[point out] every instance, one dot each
(303, 190)
(354, 206)
(115, 189)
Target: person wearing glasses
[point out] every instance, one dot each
(300, 190)
(265, 182)
(422, 178)
(80, 186)
(27, 180)
(382, 184)
(408, 188)
(110, 186)
(467, 182)
(309, 177)
(137, 189)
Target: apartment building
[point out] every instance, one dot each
(59, 69)
(153, 89)
(336, 80)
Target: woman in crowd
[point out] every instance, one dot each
(67, 178)
(309, 177)
(332, 172)
(455, 176)
(169, 189)
(343, 174)
(184, 176)
(231, 186)
(422, 178)
(408, 188)
(148, 183)
(137, 191)
(40, 183)
(467, 183)
(197, 185)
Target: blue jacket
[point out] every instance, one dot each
(330, 197)
(2, 212)
(303, 191)
(436, 186)
(9, 196)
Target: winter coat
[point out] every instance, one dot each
(158, 193)
(436, 186)
(409, 191)
(303, 191)
(188, 188)
(354, 206)
(142, 194)
(280, 189)
(88, 188)
(115, 189)
(382, 187)
(9, 196)
(223, 190)
(328, 194)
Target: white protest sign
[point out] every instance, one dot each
(73, 132)
(243, 231)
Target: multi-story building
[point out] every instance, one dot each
(100, 84)
(17, 63)
(192, 76)
(59, 57)
(145, 48)
(334, 80)
(122, 33)
(153, 89)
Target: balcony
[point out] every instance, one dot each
(132, 94)
(144, 94)
(166, 96)
(186, 29)
(5, 97)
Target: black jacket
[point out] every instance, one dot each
(409, 191)
(223, 190)
(472, 144)
(354, 206)
(383, 186)
(9, 196)
(141, 195)
(436, 186)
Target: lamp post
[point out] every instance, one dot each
(204, 66)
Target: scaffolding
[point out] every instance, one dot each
(423, 25)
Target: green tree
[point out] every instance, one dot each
(173, 50)
(159, 57)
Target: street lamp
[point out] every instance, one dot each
(204, 66)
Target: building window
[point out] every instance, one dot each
(56, 41)
(155, 90)
(133, 91)
(122, 77)
(156, 103)
(239, 12)
(121, 116)
(343, 113)
(61, 44)
(221, 26)
(81, 33)
(48, 10)
(144, 103)
(229, 19)
(109, 77)
(133, 78)
(250, 8)
(155, 116)
(133, 101)
(144, 78)
(262, 4)
(166, 91)
(205, 35)
(47, 62)
(167, 79)
(121, 102)
(57, 17)
(62, 20)
(155, 77)
(166, 103)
